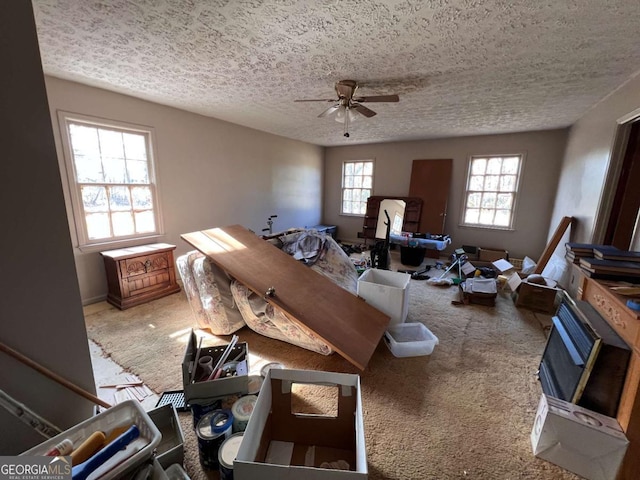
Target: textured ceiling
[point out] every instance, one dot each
(461, 67)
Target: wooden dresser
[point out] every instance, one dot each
(137, 275)
(626, 322)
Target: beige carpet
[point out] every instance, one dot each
(465, 411)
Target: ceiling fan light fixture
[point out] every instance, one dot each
(344, 112)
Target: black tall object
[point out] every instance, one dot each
(380, 255)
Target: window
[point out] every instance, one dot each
(111, 180)
(357, 183)
(492, 187)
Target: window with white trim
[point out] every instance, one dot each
(111, 178)
(357, 185)
(492, 189)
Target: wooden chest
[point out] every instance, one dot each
(137, 275)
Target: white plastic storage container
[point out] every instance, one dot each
(122, 415)
(410, 340)
(387, 291)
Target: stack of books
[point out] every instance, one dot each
(613, 253)
(618, 268)
(576, 251)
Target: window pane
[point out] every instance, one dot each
(141, 197)
(502, 218)
(368, 168)
(494, 165)
(510, 165)
(472, 215)
(134, 147)
(486, 216)
(88, 169)
(145, 222)
(508, 183)
(357, 181)
(478, 166)
(84, 140)
(138, 172)
(347, 194)
(111, 143)
(367, 182)
(98, 226)
(473, 200)
(362, 206)
(94, 199)
(122, 224)
(348, 181)
(504, 201)
(357, 168)
(114, 170)
(489, 200)
(346, 207)
(491, 183)
(476, 183)
(348, 168)
(119, 199)
(365, 194)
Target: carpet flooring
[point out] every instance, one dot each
(463, 412)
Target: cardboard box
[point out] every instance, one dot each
(201, 392)
(582, 441)
(540, 298)
(170, 450)
(279, 443)
(491, 255)
(387, 291)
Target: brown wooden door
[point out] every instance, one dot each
(430, 180)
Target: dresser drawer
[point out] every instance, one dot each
(622, 321)
(143, 265)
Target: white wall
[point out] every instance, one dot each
(210, 173)
(40, 309)
(587, 160)
(543, 149)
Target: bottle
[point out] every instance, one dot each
(65, 447)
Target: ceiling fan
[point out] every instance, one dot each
(347, 106)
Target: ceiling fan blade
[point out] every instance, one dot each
(363, 110)
(378, 98)
(317, 100)
(330, 110)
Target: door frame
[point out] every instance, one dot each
(612, 180)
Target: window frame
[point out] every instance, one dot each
(516, 192)
(78, 221)
(343, 188)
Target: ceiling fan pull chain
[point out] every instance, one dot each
(346, 122)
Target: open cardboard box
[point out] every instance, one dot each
(281, 444)
(540, 298)
(580, 440)
(201, 392)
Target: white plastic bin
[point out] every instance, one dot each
(387, 291)
(410, 340)
(121, 415)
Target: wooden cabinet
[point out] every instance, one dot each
(411, 220)
(137, 275)
(626, 323)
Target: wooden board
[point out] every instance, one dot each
(553, 243)
(342, 320)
